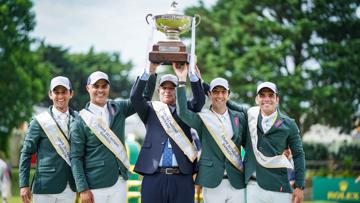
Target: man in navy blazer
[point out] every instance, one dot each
(164, 181)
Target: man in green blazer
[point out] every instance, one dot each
(53, 180)
(222, 131)
(270, 133)
(98, 156)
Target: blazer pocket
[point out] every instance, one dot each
(95, 164)
(205, 162)
(47, 169)
(146, 145)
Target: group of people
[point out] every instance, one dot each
(84, 152)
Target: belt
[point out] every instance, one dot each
(169, 171)
(225, 177)
(253, 178)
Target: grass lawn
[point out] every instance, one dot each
(18, 200)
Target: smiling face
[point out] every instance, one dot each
(219, 96)
(167, 93)
(99, 92)
(267, 100)
(60, 97)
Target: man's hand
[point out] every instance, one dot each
(298, 195)
(25, 194)
(197, 72)
(153, 67)
(181, 71)
(86, 196)
(287, 153)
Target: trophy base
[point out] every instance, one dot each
(166, 52)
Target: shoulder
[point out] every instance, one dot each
(34, 123)
(238, 114)
(290, 122)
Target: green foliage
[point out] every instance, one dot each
(308, 48)
(315, 151)
(349, 153)
(339, 156)
(21, 78)
(79, 66)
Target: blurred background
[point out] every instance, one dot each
(309, 48)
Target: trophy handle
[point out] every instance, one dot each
(197, 19)
(147, 16)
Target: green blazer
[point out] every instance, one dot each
(93, 164)
(212, 161)
(283, 134)
(52, 173)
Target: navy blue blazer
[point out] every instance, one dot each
(155, 138)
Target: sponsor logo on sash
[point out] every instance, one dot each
(173, 129)
(279, 161)
(106, 136)
(217, 131)
(55, 135)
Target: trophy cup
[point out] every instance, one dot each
(172, 25)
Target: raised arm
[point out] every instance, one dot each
(198, 100)
(138, 98)
(187, 116)
(237, 107)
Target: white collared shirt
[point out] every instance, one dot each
(268, 121)
(174, 161)
(225, 120)
(62, 119)
(101, 112)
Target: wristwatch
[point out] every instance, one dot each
(182, 82)
(300, 187)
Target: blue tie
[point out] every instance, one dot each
(167, 155)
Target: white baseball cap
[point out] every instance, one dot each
(170, 78)
(60, 80)
(219, 82)
(97, 75)
(269, 85)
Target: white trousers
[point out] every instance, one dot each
(223, 193)
(113, 194)
(66, 196)
(255, 194)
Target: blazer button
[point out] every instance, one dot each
(260, 148)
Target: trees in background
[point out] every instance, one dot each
(308, 48)
(77, 67)
(22, 78)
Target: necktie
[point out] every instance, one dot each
(167, 155)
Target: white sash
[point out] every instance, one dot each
(279, 161)
(106, 136)
(55, 135)
(173, 129)
(217, 130)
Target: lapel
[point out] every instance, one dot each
(259, 126)
(278, 122)
(52, 115)
(234, 123)
(111, 110)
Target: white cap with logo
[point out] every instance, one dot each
(97, 75)
(169, 78)
(219, 82)
(60, 81)
(269, 85)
